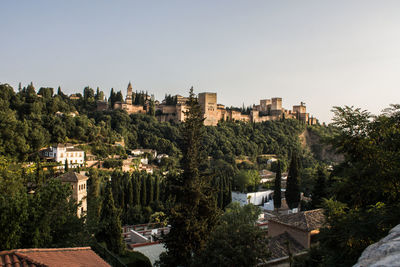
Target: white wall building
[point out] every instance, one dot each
(255, 198)
(61, 153)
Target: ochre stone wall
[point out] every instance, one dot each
(208, 104)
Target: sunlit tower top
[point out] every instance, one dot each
(128, 98)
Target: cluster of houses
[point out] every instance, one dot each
(284, 226)
(69, 155)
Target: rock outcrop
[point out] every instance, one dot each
(386, 252)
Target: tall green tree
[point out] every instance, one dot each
(150, 189)
(110, 230)
(93, 200)
(157, 189)
(292, 193)
(236, 241)
(277, 187)
(365, 186)
(194, 212)
(319, 191)
(143, 191)
(136, 190)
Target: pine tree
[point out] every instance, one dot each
(110, 230)
(319, 191)
(292, 193)
(277, 187)
(194, 212)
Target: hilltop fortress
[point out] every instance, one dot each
(173, 109)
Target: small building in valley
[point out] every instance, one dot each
(301, 226)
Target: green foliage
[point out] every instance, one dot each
(112, 163)
(236, 241)
(246, 180)
(45, 218)
(193, 213)
(110, 230)
(319, 191)
(292, 193)
(352, 230)
(277, 187)
(365, 187)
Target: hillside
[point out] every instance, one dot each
(316, 139)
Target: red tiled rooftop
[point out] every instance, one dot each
(305, 220)
(75, 257)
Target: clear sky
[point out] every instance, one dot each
(325, 53)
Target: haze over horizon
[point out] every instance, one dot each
(322, 53)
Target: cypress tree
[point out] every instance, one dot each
(150, 189)
(157, 189)
(224, 192)
(143, 191)
(292, 193)
(229, 195)
(136, 190)
(130, 195)
(277, 187)
(66, 168)
(194, 212)
(220, 194)
(93, 200)
(319, 191)
(110, 230)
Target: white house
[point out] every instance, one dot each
(141, 151)
(61, 153)
(255, 198)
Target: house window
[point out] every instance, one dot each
(61, 155)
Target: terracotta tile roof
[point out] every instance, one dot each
(72, 177)
(306, 220)
(14, 259)
(49, 257)
(278, 246)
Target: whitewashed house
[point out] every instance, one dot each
(61, 153)
(255, 198)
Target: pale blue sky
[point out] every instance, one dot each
(325, 53)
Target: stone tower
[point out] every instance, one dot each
(79, 190)
(276, 106)
(128, 98)
(208, 104)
